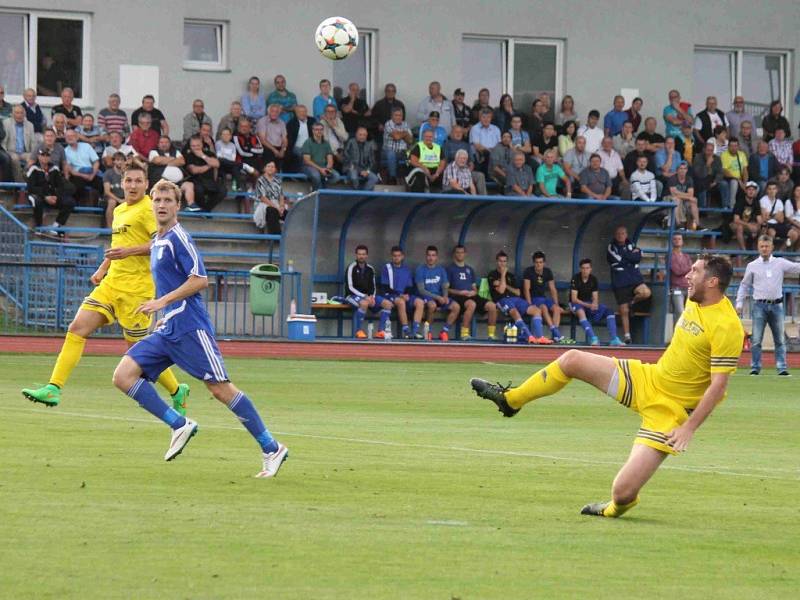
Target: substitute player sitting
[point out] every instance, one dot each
(433, 286)
(361, 294)
(539, 289)
(185, 337)
(584, 302)
(397, 286)
(673, 396)
(464, 291)
(123, 283)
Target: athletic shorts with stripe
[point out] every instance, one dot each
(660, 413)
(196, 352)
(116, 305)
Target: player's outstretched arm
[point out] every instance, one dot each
(189, 287)
(119, 253)
(679, 437)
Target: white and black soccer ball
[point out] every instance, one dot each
(336, 38)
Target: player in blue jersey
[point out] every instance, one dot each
(539, 289)
(432, 286)
(397, 286)
(184, 337)
(464, 291)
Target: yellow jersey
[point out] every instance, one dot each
(133, 225)
(707, 339)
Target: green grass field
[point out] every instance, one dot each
(401, 484)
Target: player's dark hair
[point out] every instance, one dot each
(148, 97)
(135, 165)
(538, 254)
(594, 113)
(585, 261)
(719, 267)
(431, 249)
(362, 247)
(396, 249)
(500, 254)
(459, 247)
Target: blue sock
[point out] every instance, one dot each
(445, 327)
(405, 328)
(556, 333)
(415, 329)
(587, 327)
(146, 395)
(360, 314)
(611, 323)
(385, 314)
(522, 330)
(536, 326)
(243, 408)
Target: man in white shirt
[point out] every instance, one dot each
(436, 101)
(592, 133)
(611, 161)
(772, 212)
(643, 182)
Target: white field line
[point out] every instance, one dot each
(585, 461)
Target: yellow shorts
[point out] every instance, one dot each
(116, 305)
(660, 413)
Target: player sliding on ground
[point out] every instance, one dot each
(123, 282)
(184, 337)
(673, 396)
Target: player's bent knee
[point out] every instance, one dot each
(126, 374)
(224, 391)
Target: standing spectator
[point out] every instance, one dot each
(667, 160)
(33, 112)
(82, 166)
(655, 141)
(612, 162)
(774, 121)
(397, 286)
(626, 280)
(506, 296)
(165, 162)
(271, 132)
(5, 107)
(634, 114)
(462, 115)
(594, 181)
(427, 164)
(612, 122)
(318, 160)
(707, 175)
(591, 132)
(566, 141)
(323, 100)
(60, 128)
(675, 114)
(584, 302)
(90, 133)
(734, 169)
(113, 194)
(382, 110)
(362, 294)
(19, 141)
(194, 119)
(762, 166)
(549, 174)
(457, 177)
(746, 223)
(283, 98)
(231, 120)
(625, 142)
(681, 192)
(484, 136)
(298, 131)
(500, 159)
(709, 119)
(539, 290)
(482, 103)
(396, 140)
(567, 112)
(249, 151)
(643, 182)
(359, 161)
(781, 148)
(763, 279)
(519, 177)
(55, 149)
(464, 292)
(229, 161)
(144, 138)
(354, 109)
(158, 122)
(680, 264)
(772, 213)
(505, 112)
(67, 108)
(47, 188)
(576, 160)
(334, 131)
(545, 141)
(253, 102)
(202, 190)
(536, 119)
(439, 134)
(748, 141)
(457, 142)
(116, 143)
(737, 116)
(433, 287)
(113, 118)
(271, 206)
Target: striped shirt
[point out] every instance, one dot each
(461, 175)
(389, 142)
(764, 279)
(113, 121)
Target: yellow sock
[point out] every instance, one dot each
(168, 381)
(464, 332)
(614, 510)
(68, 359)
(542, 383)
(491, 330)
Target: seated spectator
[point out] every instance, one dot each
(720, 140)
(19, 141)
(790, 211)
(334, 131)
(33, 112)
(762, 166)
(748, 141)
(709, 119)
(397, 286)
(144, 138)
(686, 143)
(355, 111)
(547, 140)
(82, 166)
(323, 100)
(272, 133)
(737, 116)
(505, 112)
(567, 113)
(116, 143)
(539, 290)
(667, 160)
(675, 114)
(549, 174)
(506, 297)
(359, 161)
(634, 114)
(785, 183)
(781, 148)
(249, 151)
(631, 159)
(500, 159)
(464, 292)
(55, 149)
(655, 141)
(482, 103)
(592, 133)
(519, 176)
(47, 188)
(208, 139)
(231, 120)
(318, 160)
(566, 141)
(612, 122)
(202, 189)
(453, 144)
(680, 264)
(625, 141)
(772, 212)
(462, 114)
(230, 163)
(439, 134)
(576, 160)
(644, 185)
(396, 140)
(362, 294)
(298, 130)
(484, 136)
(612, 162)
(166, 162)
(271, 205)
(283, 98)
(457, 177)
(71, 112)
(113, 194)
(194, 119)
(382, 110)
(734, 170)
(707, 175)
(681, 192)
(90, 133)
(536, 119)
(595, 182)
(5, 107)
(626, 280)
(5, 159)
(427, 165)
(254, 105)
(774, 121)
(158, 122)
(60, 128)
(746, 224)
(113, 119)
(584, 302)
(433, 287)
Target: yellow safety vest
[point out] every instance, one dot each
(429, 157)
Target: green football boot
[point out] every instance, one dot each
(179, 398)
(49, 395)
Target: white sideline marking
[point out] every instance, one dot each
(521, 454)
(448, 523)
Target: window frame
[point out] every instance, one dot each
(221, 27)
(366, 44)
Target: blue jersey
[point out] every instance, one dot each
(461, 278)
(173, 258)
(431, 280)
(397, 280)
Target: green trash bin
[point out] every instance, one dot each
(265, 287)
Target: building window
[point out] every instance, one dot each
(357, 68)
(760, 76)
(45, 51)
(204, 45)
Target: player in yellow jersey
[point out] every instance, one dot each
(123, 283)
(673, 396)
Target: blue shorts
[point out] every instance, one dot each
(354, 301)
(594, 316)
(506, 304)
(196, 352)
(392, 296)
(539, 300)
(440, 305)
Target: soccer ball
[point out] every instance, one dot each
(336, 38)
